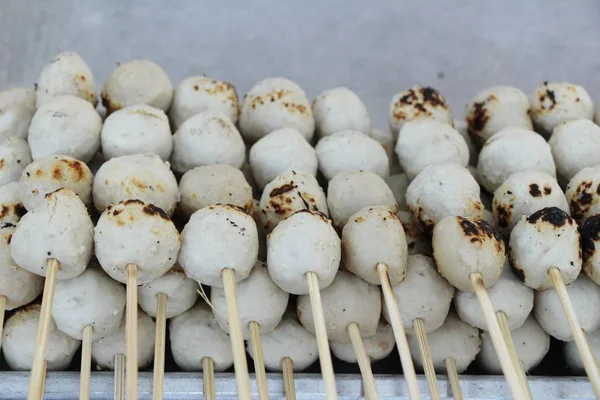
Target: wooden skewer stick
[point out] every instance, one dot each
(509, 370)
(119, 388)
(434, 390)
(321, 334)
(237, 339)
(259, 362)
(2, 311)
(453, 378)
(131, 332)
(399, 334)
(37, 369)
(288, 378)
(208, 378)
(44, 380)
(364, 363)
(86, 363)
(503, 322)
(589, 361)
(159, 347)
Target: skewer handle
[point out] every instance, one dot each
(453, 378)
(36, 383)
(364, 363)
(589, 361)
(434, 390)
(512, 351)
(259, 363)
(208, 378)
(508, 368)
(160, 345)
(119, 388)
(86, 363)
(400, 335)
(237, 339)
(288, 378)
(2, 311)
(321, 334)
(131, 332)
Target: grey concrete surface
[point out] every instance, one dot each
(376, 48)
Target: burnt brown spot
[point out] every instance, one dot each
(57, 173)
(433, 97)
(77, 167)
(6, 225)
(282, 189)
(590, 234)
(2, 163)
(9, 239)
(547, 190)
(477, 119)
(48, 195)
(478, 230)
(132, 201)
(19, 209)
(304, 201)
(39, 173)
(553, 215)
(358, 220)
(4, 211)
(582, 199)
(196, 87)
(503, 214)
(550, 96)
(151, 209)
(534, 190)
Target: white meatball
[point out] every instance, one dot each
(91, 298)
(288, 193)
(585, 296)
(205, 139)
(14, 157)
(140, 176)
(289, 339)
(374, 235)
(350, 192)
(232, 243)
(590, 241)
(340, 109)
(377, 347)
(105, 349)
(424, 143)
(496, 108)
(11, 206)
(432, 308)
(399, 183)
(347, 300)
(19, 286)
(531, 344)
(454, 339)
(196, 335)
(463, 246)
(416, 241)
(524, 193)
(61, 229)
(19, 339)
(180, 290)
(45, 175)
(583, 193)
(66, 125)
(388, 142)
(304, 242)
(259, 300)
(272, 104)
(137, 82)
(198, 94)
(462, 128)
(443, 190)
(18, 107)
(212, 184)
(281, 151)
(513, 150)
(547, 238)
(418, 103)
(575, 145)
(134, 232)
(508, 295)
(556, 102)
(571, 352)
(351, 151)
(66, 74)
(136, 129)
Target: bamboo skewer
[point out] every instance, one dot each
(288, 378)
(364, 363)
(119, 376)
(86, 363)
(37, 369)
(259, 363)
(208, 378)
(131, 332)
(2, 311)
(512, 351)
(400, 335)
(159, 347)
(237, 339)
(432, 383)
(453, 378)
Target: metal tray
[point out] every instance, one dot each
(183, 386)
